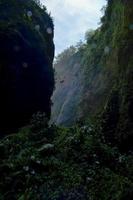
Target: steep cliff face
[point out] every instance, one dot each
(68, 92)
(26, 56)
(106, 66)
(117, 115)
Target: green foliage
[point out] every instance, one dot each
(105, 79)
(88, 35)
(107, 84)
(84, 161)
(62, 163)
(67, 53)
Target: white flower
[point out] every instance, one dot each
(49, 30)
(88, 179)
(84, 128)
(120, 159)
(90, 129)
(97, 162)
(12, 165)
(26, 168)
(70, 138)
(32, 157)
(38, 161)
(46, 147)
(32, 172)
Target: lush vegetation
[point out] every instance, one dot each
(93, 159)
(105, 62)
(55, 163)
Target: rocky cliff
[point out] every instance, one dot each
(26, 57)
(105, 65)
(69, 87)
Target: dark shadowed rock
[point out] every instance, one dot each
(26, 56)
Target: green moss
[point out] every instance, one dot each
(109, 73)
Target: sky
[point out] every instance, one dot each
(72, 18)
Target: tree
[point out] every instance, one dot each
(89, 34)
(38, 2)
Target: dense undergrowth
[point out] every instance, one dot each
(56, 163)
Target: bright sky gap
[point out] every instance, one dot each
(72, 18)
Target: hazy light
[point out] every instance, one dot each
(37, 27)
(25, 65)
(49, 30)
(29, 13)
(107, 50)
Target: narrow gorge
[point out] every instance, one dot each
(78, 143)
